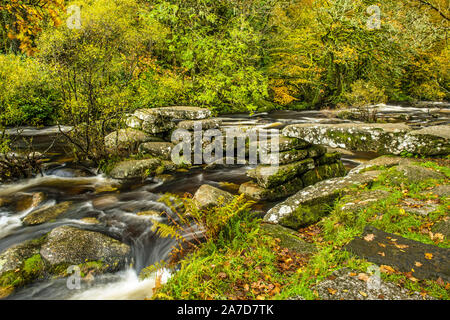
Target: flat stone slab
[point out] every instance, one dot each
(46, 214)
(205, 124)
(424, 260)
(346, 284)
(312, 203)
(379, 138)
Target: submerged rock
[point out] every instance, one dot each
(379, 138)
(46, 214)
(209, 196)
(72, 246)
(425, 261)
(134, 169)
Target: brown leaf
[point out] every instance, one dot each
(418, 264)
(381, 254)
(369, 237)
(363, 277)
(387, 269)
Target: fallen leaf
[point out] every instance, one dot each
(440, 282)
(369, 237)
(331, 291)
(428, 256)
(382, 254)
(418, 264)
(401, 246)
(363, 277)
(363, 294)
(387, 269)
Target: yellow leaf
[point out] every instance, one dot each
(428, 256)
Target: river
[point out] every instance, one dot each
(114, 205)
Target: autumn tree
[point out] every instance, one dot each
(22, 21)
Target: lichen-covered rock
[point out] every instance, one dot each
(442, 227)
(255, 192)
(289, 238)
(126, 141)
(385, 161)
(414, 174)
(185, 112)
(46, 213)
(272, 176)
(290, 156)
(380, 138)
(72, 246)
(285, 144)
(203, 124)
(316, 151)
(312, 203)
(329, 158)
(345, 284)
(354, 202)
(133, 169)
(209, 196)
(157, 149)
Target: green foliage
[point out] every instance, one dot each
(28, 94)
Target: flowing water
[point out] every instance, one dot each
(115, 205)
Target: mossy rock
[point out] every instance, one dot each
(46, 214)
(134, 169)
(273, 176)
(289, 238)
(323, 172)
(253, 191)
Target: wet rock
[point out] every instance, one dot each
(222, 163)
(345, 284)
(46, 214)
(289, 238)
(90, 220)
(209, 196)
(402, 254)
(286, 144)
(203, 124)
(272, 176)
(133, 169)
(72, 246)
(312, 203)
(30, 201)
(255, 192)
(157, 149)
(20, 265)
(105, 201)
(126, 141)
(379, 138)
(164, 178)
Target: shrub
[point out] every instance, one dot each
(28, 94)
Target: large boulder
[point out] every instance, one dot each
(72, 246)
(134, 169)
(46, 213)
(208, 196)
(380, 138)
(312, 203)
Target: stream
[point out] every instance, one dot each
(115, 205)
